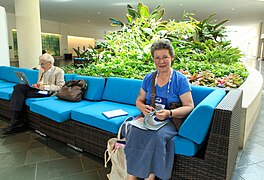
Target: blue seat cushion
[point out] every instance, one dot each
(56, 109)
(1, 80)
(197, 124)
(92, 115)
(185, 146)
(122, 90)
(7, 84)
(6, 93)
(30, 100)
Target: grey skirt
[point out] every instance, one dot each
(150, 151)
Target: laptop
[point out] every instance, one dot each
(22, 78)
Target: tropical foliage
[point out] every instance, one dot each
(201, 51)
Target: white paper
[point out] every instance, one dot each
(115, 113)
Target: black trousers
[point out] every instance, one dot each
(17, 104)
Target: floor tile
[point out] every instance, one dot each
(90, 162)
(251, 172)
(93, 175)
(37, 155)
(58, 168)
(26, 172)
(12, 159)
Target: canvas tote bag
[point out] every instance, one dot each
(115, 151)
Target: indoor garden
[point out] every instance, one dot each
(201, 51)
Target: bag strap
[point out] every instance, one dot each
(153, 90)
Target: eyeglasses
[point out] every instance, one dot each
(43, 64)
(164, 58)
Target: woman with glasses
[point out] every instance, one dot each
(150, 153)
(50, 80)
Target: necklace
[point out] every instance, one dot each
(168, 90)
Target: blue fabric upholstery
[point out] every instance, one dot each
(197, 124)
(56, 109)
(92, 115)
(185, 147)
(30, 100)
(69, 77)
(7, 84)
(199, 93)
(32, 75)
(4, 72)
(6, 93)
(1, 80)
(95, 87)
(122, 90)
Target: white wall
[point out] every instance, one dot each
(58, 28)
(246, 38)
(4, 52)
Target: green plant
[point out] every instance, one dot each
(201, 51)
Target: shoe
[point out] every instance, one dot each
(10, 129)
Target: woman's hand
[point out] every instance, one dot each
(162, 114)
(147, 109)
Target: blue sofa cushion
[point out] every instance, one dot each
(7, 84)
(56, 109)
(197, 124)
(122, 90)
(92, 115)
(95, 87)
(69, 77)
(185, 146)
(30, 100)
(199, 93)
(4, 72)
(6, 93)
(1, 80)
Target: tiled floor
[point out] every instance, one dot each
(29, 156)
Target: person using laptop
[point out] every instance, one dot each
(50, 80)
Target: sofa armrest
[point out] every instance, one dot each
(197, 124)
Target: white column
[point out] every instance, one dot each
(4, 48)
(28, 32)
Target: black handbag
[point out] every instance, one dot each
(72, 90)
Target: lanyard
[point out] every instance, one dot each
(168, 90)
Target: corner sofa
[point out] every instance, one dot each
(207, 144)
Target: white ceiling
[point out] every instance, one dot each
(96, 14)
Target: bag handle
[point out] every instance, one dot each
(118, 137)
(153, 90)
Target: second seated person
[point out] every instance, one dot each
(151, 153)
(50, 80)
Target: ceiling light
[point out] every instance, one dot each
(98, 12)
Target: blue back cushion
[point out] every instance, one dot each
(197, 124)
(199, 93)
(95, 87)
(69, 77)
(32, 75)
(3, 72)
(8, 73)
(122, 90)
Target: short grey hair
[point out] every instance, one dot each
(47, 57)
(162, 44)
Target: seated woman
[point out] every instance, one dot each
(151, 153)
